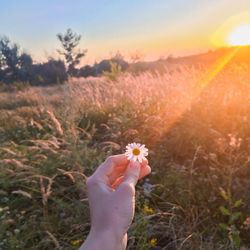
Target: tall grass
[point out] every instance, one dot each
(198, 195)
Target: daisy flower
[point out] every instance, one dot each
(136, 152)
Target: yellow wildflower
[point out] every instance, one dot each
(153, 242)
(76, 242)
(148, 210)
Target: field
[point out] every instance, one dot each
(195, 122)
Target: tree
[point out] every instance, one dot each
(69, 42)
(106, 64)
(86, 71)
(50, 73)
(136, 56)
(14, 65)
(26, 68)
(9, 59)
(17, 67)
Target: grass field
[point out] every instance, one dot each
(196, 125)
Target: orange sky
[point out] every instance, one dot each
(155, 28)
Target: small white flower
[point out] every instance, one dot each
(136, 151)
(16, 231)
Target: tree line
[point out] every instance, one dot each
(17, 66)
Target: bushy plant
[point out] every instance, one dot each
(115, 71)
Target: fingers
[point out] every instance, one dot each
(144, 163)
(120, 170)
(118, 181)
(126, 190)
(132, 173)
(144, 171)
(116, 166)
(108, 166)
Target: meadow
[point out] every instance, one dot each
(196, 125)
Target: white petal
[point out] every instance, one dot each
(144, 151)
(140, 159)
(130, 157)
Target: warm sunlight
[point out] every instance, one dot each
(124, 124)
(240, 36)
(233, 31)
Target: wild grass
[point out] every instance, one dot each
(197, 196)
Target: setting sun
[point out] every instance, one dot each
(240, 36)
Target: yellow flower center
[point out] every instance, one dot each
(136, 151)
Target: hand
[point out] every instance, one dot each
(111, 193)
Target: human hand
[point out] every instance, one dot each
(111, 193)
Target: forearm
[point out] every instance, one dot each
(104, 240)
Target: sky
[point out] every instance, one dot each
(153, 28)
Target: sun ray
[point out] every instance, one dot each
(207, 78)
(217, 67)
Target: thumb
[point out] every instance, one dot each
(132, 173)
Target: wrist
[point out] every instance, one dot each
(105, 240)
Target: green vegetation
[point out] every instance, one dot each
(17, 69)
(115, 71)
(198, 195)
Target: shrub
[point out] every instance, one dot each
(115, 71)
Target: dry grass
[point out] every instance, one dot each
(199, 139)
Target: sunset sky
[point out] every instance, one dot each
(155, 28)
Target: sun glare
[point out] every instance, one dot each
(240, 36)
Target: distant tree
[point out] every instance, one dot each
(86, 71)
(117, 55)
(136, 56)
(9, 59)
(17, 68)
(105, 65)
(14, 65)
(124, 65)
(69, 42)
(118, 58)
(26, 68)
(50, 73)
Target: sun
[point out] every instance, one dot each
(240, 36)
